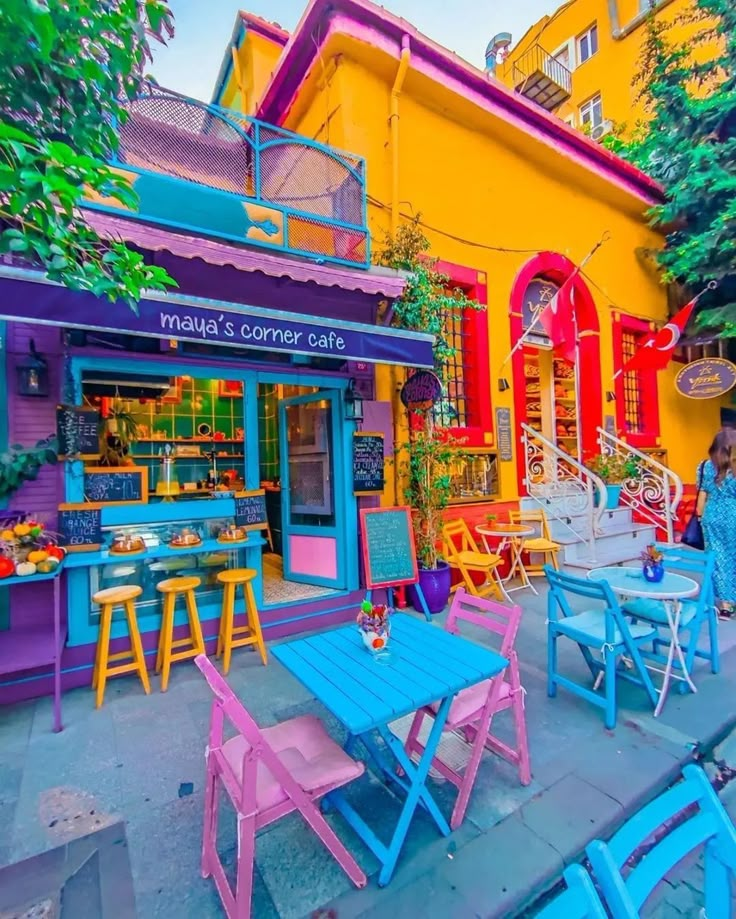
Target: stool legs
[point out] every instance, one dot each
(165, 641)
(225, 636)
(228, 636)
(103, 652)
(193, 645)
(135, 661)
(136, 645)
(254, 620)
(195, 627)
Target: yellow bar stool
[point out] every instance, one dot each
(229, 632)
(135, 662)
(191, 645)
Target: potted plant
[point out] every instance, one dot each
(652, 563)
(118, 432)
(615, 470)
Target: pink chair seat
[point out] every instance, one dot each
(308, 752)
(470, 701)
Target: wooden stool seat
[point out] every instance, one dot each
(133, 657)
(168, 646)
(230, 635)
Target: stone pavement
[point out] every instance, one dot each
(140, 759)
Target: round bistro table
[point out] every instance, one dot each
(628, 581)
(511, 535)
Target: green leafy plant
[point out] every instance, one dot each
(614, 468)
(67, 68)
(22, 464)
(119, 426)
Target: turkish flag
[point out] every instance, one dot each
(657, 351)
(558, 322)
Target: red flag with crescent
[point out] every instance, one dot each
(657, 351)
(558, 321)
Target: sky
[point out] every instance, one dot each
(192, 59)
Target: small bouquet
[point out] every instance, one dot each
(374, 625)
(652, 564)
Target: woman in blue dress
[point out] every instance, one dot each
(716, 507)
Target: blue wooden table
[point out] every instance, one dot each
(425, 664)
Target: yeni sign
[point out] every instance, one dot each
(706, 378)
(421, 391)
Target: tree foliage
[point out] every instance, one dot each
(67, 68)
(688, 140)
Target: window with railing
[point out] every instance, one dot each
(637, 399)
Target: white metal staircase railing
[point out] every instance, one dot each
(563, 487)
(655, 494)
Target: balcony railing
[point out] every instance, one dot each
(541, 78)
(203, 169)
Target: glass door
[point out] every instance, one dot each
(313, 490)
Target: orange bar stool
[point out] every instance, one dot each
(135, 662)
(229, 636)
(191, 645)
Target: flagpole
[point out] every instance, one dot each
(578, 268)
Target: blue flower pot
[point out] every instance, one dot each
(613, 497)
(435, 584)
(654, 573)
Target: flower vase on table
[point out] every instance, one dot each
(652, 564)
(374, 625)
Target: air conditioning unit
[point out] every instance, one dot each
(600, 130)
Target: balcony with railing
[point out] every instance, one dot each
(201, 169)
(541, 78)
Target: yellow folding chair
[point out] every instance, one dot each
(541, 544)
(461, 552)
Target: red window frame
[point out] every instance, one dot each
(647, 383)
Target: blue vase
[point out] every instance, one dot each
(654, 572)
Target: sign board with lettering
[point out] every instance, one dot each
(389, 555)
(706, 379)
(116, 485)
(504, 437)
(537, 295)
(78, 431)
(250, 510)
(368, 471)
(422, 390)
(80, 527)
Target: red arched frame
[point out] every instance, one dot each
(557, 268)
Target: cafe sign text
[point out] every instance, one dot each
(707, 378)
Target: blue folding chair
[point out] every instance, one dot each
(706, 823)
(604, 629)
(694, 612)
(579, 901)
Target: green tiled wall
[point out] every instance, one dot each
(200, 404)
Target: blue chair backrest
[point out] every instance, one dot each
(692, 562)
(561, 584)
(705, 820)
(579, 901)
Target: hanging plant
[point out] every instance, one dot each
(22, 464)
(119, 428)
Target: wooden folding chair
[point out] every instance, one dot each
(472, 710)
(461, 552)
(539, 545)
(267, 773)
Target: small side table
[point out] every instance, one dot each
(511, 536)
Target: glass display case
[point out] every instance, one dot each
(474, 476)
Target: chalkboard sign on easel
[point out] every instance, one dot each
(250, 510)
(77, 431)
(121, 485)
(388, 547)
(80, 527)
(368, 473)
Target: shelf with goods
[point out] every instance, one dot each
(565, 405)
(534, 395)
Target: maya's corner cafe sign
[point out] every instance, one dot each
(706, 379)
(27, 296)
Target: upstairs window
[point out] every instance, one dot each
(587, 44)
(591, 112)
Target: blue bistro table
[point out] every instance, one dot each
(424, 664)
(630, 582)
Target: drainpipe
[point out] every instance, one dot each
(618, 33)
(393, 121)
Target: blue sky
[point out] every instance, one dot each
(191, 61)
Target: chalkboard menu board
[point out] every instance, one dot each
(388, 547)
(123, 485)
(77, 431)
(368, 476)
(250, 510)
(79, 526)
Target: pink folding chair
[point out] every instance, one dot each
(473, 709)
(267, 773)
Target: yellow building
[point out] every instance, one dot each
(582, 60)
(512, 200)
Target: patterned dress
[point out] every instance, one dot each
(719, 528)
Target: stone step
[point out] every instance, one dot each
(625, 542)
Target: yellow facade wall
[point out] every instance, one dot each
(254, 62)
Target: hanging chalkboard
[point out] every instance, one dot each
(368, 475)
(77, 431)
(388, 547)
(250, 510)
(79, 527)
(123, 485)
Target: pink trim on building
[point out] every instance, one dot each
(271, 30)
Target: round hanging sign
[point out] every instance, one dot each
(422, 390)
(707, 378)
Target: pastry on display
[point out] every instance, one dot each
(185, 539)
(126, 544)
(232, 533)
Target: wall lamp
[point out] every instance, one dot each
(33, 373)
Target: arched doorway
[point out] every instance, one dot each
(560, 398)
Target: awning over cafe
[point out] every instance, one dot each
(27, 296)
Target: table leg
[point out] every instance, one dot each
(57, 655)
(675, 648)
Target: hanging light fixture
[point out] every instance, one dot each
(33, 373)
(503, 385)
(610, 396)
(353, 403)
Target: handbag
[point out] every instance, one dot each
(693, 535)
